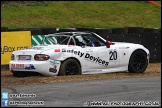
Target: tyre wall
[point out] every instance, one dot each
(149, 37)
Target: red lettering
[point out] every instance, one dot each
(13, 65)
(57, 50)
(19, 66)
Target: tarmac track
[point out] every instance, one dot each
(108, 92)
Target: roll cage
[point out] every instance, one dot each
(69, 38)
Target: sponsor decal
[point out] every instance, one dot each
(63, 50)
(79, 53)
(123, 47)
(90, 71)
(54, 63)
(96, 59)
(17, 66)
(57, 50)
(113, 55)
(30, 67)
(54, 68)
(21, 66)
(87, 56)
(11, 49)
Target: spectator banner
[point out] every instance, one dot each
(12, 41)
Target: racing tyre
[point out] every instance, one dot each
(138, 62)
(70, 67)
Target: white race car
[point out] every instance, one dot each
(74, 53)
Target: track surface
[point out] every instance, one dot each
(7, 80)
(83, 90)
(81, 93)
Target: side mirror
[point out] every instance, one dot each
(108, 44)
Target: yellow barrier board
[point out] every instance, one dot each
(12, 41)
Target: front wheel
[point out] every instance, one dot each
(138, 62)
(70, 67)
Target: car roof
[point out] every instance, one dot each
(69, 33)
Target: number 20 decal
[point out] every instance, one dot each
(113, 55)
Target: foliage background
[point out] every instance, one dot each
(73, 14)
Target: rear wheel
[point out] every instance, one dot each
(138, 62)
(70, 67)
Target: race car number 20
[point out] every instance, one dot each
(113, 55)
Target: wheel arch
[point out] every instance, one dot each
(63, 62)
(74, 59)
(131, 67)
(134, 51)
(138, 49)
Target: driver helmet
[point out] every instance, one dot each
(92, 44)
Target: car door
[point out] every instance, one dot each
(96, 54)
(96, 57)
(101, 57)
